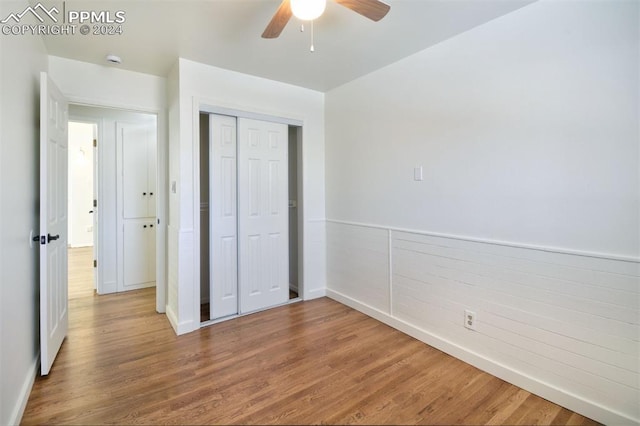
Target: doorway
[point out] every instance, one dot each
(123, 201)
(81, 227)
(250, 225)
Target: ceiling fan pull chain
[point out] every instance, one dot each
(312, 49)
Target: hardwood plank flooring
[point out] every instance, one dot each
(80, 272)
(305, 363)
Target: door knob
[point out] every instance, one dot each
(52, 237)
(144, 193)
(144, 226)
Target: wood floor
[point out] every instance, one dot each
(80, 272)
(309, 362)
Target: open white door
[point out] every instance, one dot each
(263, 225)
(54, 313)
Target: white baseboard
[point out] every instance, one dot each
(108, 288)
(315, 294)
(138, 286)
(179, 328)
(83, 245)
(23, 397)
(545, 390)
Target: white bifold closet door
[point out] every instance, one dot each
(249, 215)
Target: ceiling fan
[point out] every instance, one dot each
(308, 10)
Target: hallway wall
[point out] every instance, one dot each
(19, 195)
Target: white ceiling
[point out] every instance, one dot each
(226, 34)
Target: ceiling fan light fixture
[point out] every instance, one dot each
(308, 10)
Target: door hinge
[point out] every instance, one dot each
(95, 203)
(95, 263)
(95, 142)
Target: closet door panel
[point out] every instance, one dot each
(262, 214)
(223, 247)
(136, 254)
(134, 140)
(152, 172)
(136, 186)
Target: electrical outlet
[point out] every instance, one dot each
(469, 319)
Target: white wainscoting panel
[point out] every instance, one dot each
(172, 276)
(314, 257)
(358, 263)
(566, 323)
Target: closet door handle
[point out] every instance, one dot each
(151, 193)
(150, 226)
(144, 193)
(52, 237)
(144, 226)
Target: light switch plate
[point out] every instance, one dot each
(417, 174)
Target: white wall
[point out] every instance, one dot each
(205, 85)
(87, 84)
(525, 135)
(80, 184)
(21, 61)
(528, 132)
(97, 85)
(173, 108)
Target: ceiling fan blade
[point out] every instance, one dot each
(279, 20)
(372, 9)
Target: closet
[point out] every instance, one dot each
(136, 161)
(248, 215)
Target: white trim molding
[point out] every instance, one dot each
(609, 256)
(23, 397)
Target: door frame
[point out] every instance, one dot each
(162, 179)
(207, 106)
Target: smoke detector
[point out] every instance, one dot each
(114, 59)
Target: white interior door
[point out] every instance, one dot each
(223, 242)
(263, 259)
(54, 313)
